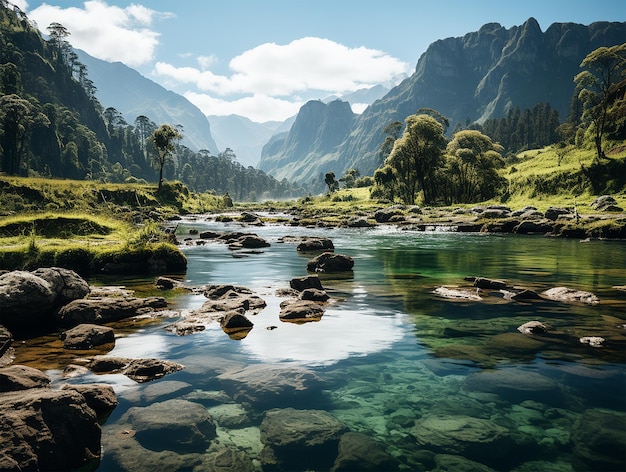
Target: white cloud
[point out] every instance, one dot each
(206, 61)
(259, 108)
(300, 66)
(21, 4)
(104, 31)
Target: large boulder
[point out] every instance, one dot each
(107, 309)
(330, 262)
(300, 439)
(87, 336)
(22, 377)
(28, 299)
(177, 425)
(45, 429)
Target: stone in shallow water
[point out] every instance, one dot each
(514, 385)
(570, 295)
(299, 439)
(475, 438)
(177, 425)
(363, 453)
(598, 439)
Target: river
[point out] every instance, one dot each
(439, 384)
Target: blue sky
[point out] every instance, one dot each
(263, 59)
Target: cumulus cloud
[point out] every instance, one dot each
(259, 108)
(304, 64)
(105, 31)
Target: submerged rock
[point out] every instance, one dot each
(139, 370)
(533, 327)
(514, 385)
(176, 425)
(363, 453)
(108, 309)
(598, 439)
(300, 439)
(462, 294)
(475, 438)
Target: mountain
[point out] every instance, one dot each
(132, 94)
(317, 131)
(477, 76)
(365, 96)
(244, 136)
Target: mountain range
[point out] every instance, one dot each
(475, 77)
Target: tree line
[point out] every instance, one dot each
(52, 125)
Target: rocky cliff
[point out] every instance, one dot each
(476, 77)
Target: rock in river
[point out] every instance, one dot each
(330, 262)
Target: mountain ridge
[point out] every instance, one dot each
(478, 76)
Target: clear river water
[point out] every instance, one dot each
(439, 384)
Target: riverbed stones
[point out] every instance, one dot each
(235, 322)
(459, 294)
(593, 341)
(177, 425)
(300, 439)
(87, 336)
(478, 439)
(570, 295)
(139, 370)
(330, 262)
(107, 309)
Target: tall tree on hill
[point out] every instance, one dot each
(606, 68)
(164, 140)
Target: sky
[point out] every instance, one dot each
(264, 59)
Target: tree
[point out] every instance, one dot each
(392, 133)
(416, 156)
(349, 178)
(164, 140)
(331, 181)
(606, 68)
(471, 173)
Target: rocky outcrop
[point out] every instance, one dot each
(330, 262)
(107, 309)
(28, 299)
(86, 336)
(99, 397)
(300, 439)
(21, 377)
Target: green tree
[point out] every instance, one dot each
(416, 156)
(470, 174)
(164, 140)
(606, 68)
(331, 181)
(392, 132)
